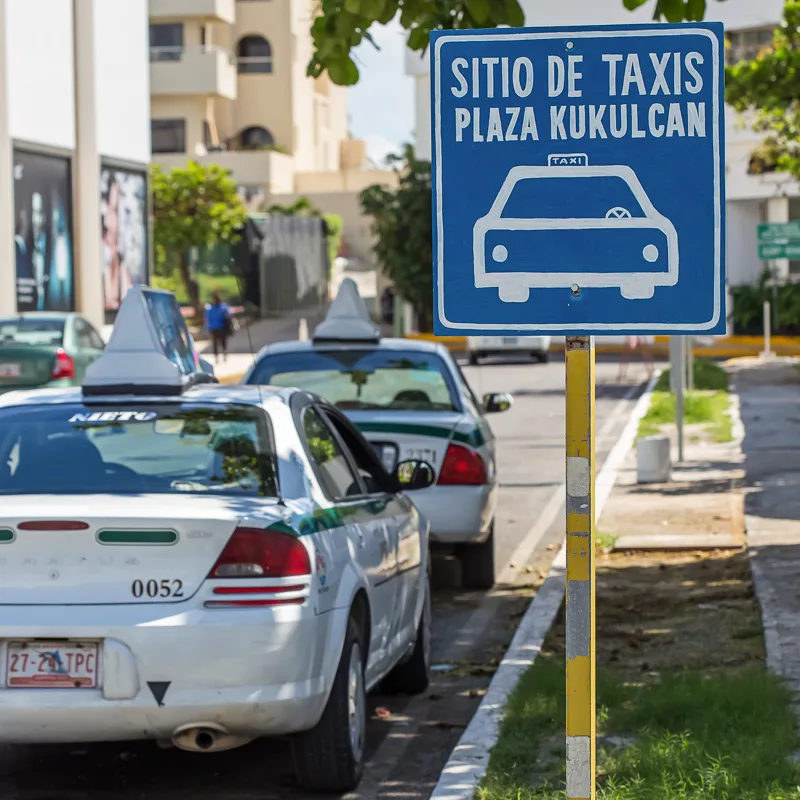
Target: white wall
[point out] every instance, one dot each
(41, 81)
(122, 65)
(734, 13)
(741, 246)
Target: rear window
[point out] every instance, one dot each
(144, 448)
(32, 331)
(364, 379)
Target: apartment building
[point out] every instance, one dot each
(752, 198)
(74, 153)
(229, 86)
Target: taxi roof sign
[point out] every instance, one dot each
(348, 318)
(150, 350)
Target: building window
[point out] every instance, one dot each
(168, 135)
(254, 55)
(166, 41)
(256, 138)
(745, 45)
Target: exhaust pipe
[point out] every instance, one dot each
(207, 737)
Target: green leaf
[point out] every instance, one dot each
(672, 10)
(695, 10)
(514, 15)
(353, 6)
(418, 38)
(343, 72)
(632, 5)
(479, 10)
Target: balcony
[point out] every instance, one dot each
(197, 70)
(208, 10)
(267, 169)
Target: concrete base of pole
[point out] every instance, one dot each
(653, 461)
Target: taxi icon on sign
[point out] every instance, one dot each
(571, 225)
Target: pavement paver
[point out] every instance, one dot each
(770, 409)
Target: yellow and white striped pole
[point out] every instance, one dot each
(580, 569)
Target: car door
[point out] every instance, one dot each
(372, 544)
(402, 522)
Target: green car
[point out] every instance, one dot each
(41, 350)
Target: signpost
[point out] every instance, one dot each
(578, 189)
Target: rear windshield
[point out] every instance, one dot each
(32, 331)
(162, 449)
(364, 379)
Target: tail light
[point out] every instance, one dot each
(258, 553)
(63, 366)
(462, 467)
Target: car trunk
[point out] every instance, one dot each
(23, 366)
(147, 548)
(415, 435)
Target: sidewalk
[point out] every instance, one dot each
(770, 409)
(701, 508)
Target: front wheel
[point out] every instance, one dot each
(542, 357)
(330, 757)
(477, 564)
(473, 359)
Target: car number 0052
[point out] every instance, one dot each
(168, 587)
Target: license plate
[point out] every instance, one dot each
(51, 665)
(509, 340)
(10, 370)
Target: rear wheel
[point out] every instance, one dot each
(330, 757)
(412, 676)
(477, 564)
(542, 357)
(473, 359)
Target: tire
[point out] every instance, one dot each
(477, 564)
(412, 676)
(330, 757)
(543, 358)
(473, 359)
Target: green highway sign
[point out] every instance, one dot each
(775, 231)
(779, 250)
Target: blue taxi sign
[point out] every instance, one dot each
(578, 180)
(150, 350)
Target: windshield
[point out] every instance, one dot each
(587, 197)
(32, 331)
(364, 379)
(144, 448)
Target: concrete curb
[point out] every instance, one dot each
(470, 758)
(762, 585)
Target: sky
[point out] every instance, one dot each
(381, 105)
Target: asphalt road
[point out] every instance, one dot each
(409, 745)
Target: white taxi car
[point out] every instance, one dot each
(202, 564)
(411, 400)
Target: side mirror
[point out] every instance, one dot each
(496, 402)
(414, 475)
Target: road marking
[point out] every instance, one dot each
(523, 552)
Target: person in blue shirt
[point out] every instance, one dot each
(219, 325)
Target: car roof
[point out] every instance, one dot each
(211, 393)
(420, 345)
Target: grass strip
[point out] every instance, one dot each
(695, 736)
(708, 376)
(700, 407)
